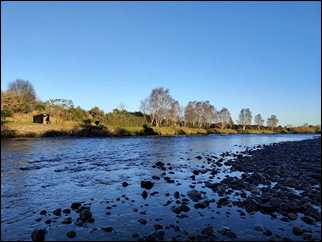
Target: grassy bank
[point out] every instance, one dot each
(16, 129)
(27, 129)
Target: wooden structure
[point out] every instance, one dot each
(42, 118)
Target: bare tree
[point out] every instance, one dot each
(160, 106)
(174, 113)
(272, 121)
(181, 116)
(224, 117)
(199, 114)
(189, 114)
(245, 117)
(210, 114)
(258, 120)
(22, 88)
(145, 108)
(26, 95)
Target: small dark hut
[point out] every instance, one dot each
(42, 118)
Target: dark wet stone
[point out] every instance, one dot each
(267, 232)
(208, 231)
(85, 214)
(67, 220)
(308, 220)
(167, 203)
(147, 184)
(107, 229)
(79, 222)
(135, 235)
(30, 168)
(144, 194)
(57, 212)
(158, 226)
(66, 211)
(267, 208)
(198, 157)
(307, 236)
(195, 172)
(297, 230)
(203, 204)
(48, 221)
(91, 220)
(155, 177)
(312, 212)
(154, 193)
(142, 221)
(159, 164)
(38, 235)
(176, 195)
(181, 208)
(38, 219)
(71, 234)
(185, 200)
(125, 184)
(43, 212)
(251, 205)
(227, 232)
(292, 216)
(223, 201)
(150, 237)
(76, 205)
(195, 195)
(168, 179)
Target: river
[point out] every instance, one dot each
(50, 173)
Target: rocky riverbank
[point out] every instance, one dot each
(281, 181)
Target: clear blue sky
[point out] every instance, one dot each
(265, 56)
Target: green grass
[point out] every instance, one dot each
(256, 131)
(170, 131)
(222, 131)
(23, 128)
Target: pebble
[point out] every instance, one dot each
(71, 234)
(38, 235)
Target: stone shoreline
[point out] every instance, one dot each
(280, 180)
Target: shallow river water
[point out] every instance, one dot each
(50, 173)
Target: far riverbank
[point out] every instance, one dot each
(71, 129)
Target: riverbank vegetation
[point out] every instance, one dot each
(159, 114)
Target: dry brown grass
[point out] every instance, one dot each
(32, 129)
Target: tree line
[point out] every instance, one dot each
(158, 109)
(164, 110)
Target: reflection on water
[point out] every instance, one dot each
(51, 173)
